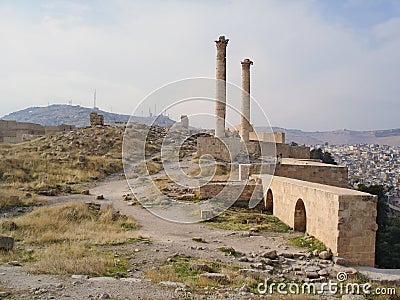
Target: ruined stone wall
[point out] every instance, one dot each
(277, 137)
(222, 149)
(96, 119)
(218, 148)
(185, 121)
(327, 174)
(300, 152)
(343, 219)
(12, 132)
(15, 132)
(357, 227)
(241, 190)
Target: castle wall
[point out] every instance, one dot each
(343, 219)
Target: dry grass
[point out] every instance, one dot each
(20, 255)
(71, 222)
(53, 162)
(66, 239)
(10, 197)
(72, 258)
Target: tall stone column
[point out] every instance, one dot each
(245, 126)
(220, 105)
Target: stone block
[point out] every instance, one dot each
(6, 243)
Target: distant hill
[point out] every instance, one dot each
(340, 137)
(58, 114)
(79, 116)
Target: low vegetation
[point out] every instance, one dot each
(242, 219)
(324, 156)
(65, 239)
(179, 268)
(11, 198)
(308, 242)
(58, 162)
(387, 254)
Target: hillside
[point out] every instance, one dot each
(338, 137)
(79, 116)
(57, 114)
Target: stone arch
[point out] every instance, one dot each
(300, 216)
(269, 201)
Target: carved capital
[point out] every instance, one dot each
(246, 63)
(222, 42)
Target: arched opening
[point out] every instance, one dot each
(269, 202)
(300, 216)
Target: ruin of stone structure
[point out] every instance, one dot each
(308, 195)
(96, 119)
(12, 132)
(185, 122)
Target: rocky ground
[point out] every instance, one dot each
(229, 264)
(258, 256)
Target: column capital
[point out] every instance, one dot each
(246, 62)
(222, 42)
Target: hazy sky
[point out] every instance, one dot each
(318, 65)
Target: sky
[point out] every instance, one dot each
(318, 65)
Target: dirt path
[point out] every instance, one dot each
(163, 231)
(167, 238)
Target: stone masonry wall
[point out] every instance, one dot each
(240, 190)
(15, 132)
(357, 227)
(277, 137)
(218, 148)
(96, 119)
(343, 219)
(329, 174)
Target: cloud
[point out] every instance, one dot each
(310, 72)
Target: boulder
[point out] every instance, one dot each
(256, 274)
(6, 243)
(316, 252)
(340, 261)
(270, 254)
(217, 277)
(325, 255)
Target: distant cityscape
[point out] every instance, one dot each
(370, 164)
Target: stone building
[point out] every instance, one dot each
(308, 195)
